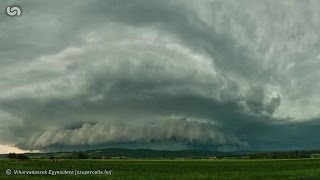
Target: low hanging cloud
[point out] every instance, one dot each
(172, 129)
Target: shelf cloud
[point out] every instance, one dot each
(172, 129)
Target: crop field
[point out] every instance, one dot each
(166, 169)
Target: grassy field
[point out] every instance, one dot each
(170, 169)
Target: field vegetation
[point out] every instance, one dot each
(169, 169)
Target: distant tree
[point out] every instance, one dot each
(12, 155)
(82, 156)
(17, 156)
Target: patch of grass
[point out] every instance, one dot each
(171, 169)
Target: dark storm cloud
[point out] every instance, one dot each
(239, 70)
(173, 129)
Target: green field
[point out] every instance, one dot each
(171, 169)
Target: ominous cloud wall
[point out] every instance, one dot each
(209, 74)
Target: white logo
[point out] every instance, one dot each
(13, 11)
(8, 171)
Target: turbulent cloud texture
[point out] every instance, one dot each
(203, 74)
(114, 132)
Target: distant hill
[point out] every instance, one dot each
(134, 153)
(150, 154)
(118, 153)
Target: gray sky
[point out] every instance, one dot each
(224, 75)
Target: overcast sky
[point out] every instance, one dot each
(220, 75)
